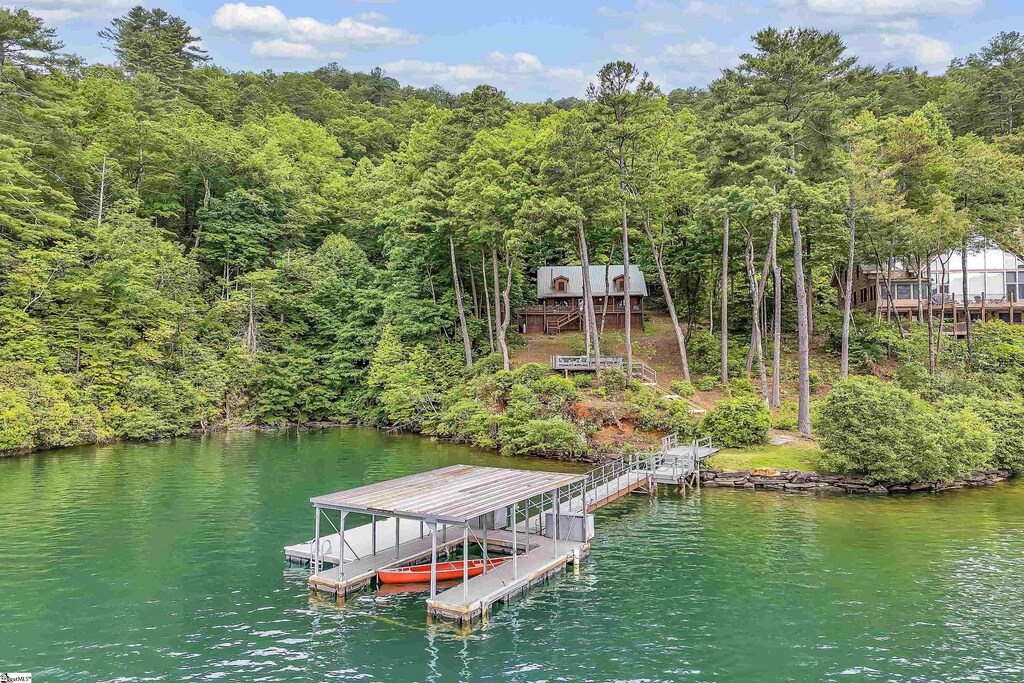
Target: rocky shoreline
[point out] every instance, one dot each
(797, 481)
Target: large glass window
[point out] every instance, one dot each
(995, 285)
(904, 292)
(956, 285)
(1009, 260)
(975, 285)
(976, 260)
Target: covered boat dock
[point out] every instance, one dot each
(540, 520)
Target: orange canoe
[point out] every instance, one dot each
(446, 571)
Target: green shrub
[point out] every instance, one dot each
(548, 436)
(468, 421)
(743, 387)
(488, 365)
(870, 340)
(556, 392)
(530, 373)
(613, 379)
(815, 380)
(682, 388)
(786, 417)
(888, 434)
(647, 409)
(1005, 419)
(703, 350)
(582, 380)
(737, 422)
(706, 384)
(681, 421)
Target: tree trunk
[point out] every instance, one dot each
(931, 322)
(755, 332)
(472, 291)
(942, 308)
(777, 315)
(723, 321)
(466, 344)
(103, 190)
(487, 301)
(500, 323)
(920, 302)
(627, 299)
(757, 290)
(656, 250)
(810, 290)
(590, 318)
(967, 309)
(844, 354)
(803, 336)
(251, 343)
(607, 287)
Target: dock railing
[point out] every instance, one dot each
(624, 472)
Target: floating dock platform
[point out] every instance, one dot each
(541, 521)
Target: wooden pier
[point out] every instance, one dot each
(542, 521)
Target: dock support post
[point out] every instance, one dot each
(373, 534)
(465, 563)
(341, 544)
(526, 523)
(316, 539)
(398, 536)
(433, 558)
(555, 511)
(483, 526)
(515, 546)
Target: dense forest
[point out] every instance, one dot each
(183, 247)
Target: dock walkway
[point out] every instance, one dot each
(473, 599)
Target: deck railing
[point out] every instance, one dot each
(584, 362)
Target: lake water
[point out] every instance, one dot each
(162, 561)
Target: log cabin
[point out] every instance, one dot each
(560, 297)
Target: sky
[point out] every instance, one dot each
(537, 50)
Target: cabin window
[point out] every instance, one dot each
(561, 284)
(617, 283)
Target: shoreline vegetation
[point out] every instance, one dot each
(185, 248)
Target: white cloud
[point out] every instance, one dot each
(921, 49)
(268, 20)
(702, 52)
(518, 63)
(67, 11)
(893, 7)
(515, 71)
(691, 62)
(372, 17)
(284, 49)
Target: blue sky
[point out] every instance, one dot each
(536, 50)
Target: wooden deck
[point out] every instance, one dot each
(473, 599)
(360, 573)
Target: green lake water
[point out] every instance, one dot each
(162, 561)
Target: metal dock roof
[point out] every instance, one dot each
(455, 494)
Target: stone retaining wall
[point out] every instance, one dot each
(811, 482)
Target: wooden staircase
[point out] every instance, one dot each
(560, 323)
